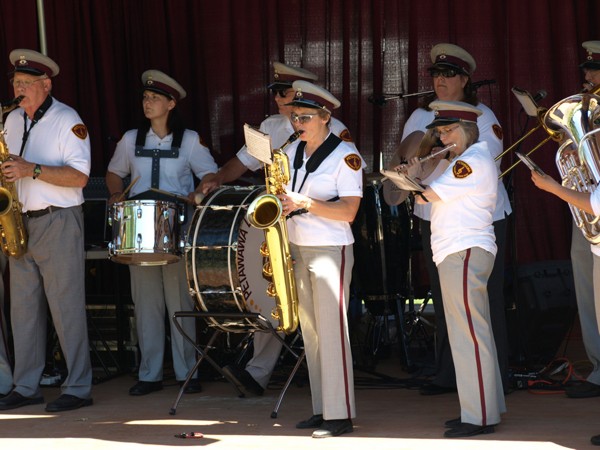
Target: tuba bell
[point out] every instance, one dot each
(578, 158)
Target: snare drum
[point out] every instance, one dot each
(223, 260)
(145, 232)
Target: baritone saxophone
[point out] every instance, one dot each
(13, 236)
(265, 213)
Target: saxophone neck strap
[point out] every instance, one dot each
(315, 160)
(156, 154)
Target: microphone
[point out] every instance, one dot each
(477, 84)
(541, 94)
(377, 100)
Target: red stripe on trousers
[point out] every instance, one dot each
(342, 334)
(475, 343)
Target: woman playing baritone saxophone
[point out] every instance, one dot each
(328, 193)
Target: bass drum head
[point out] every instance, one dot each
(223, 260)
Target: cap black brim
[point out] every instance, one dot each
(30, 71)
(441, 122)
(446, 66)
(593, 65)
(158, 91)
(303, 103)
(280, 85)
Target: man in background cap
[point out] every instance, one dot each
(50, 164)
(451, 70)
(255, 377)
(582, 260)
(162, 154)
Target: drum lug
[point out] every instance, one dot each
(139, 213)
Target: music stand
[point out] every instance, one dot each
(242, 322)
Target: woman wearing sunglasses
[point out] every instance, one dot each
(451, 71)
(463, 199)
(321, 200)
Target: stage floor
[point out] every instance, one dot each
(391, 415)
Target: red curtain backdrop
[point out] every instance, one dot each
(221, 52)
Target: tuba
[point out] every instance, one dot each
(578, 158)
(13, 236)
(265, 213)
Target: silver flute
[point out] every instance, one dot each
(433, 154)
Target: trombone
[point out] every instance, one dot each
(552, 134)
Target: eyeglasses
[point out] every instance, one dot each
(25, 83)
(302, 118)
(281, 92)
(448, 73)
(443, 132)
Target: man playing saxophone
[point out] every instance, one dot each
(50, 165)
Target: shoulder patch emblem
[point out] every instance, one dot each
(353, 161)
(345, 135)
(498, 131)
(80, 131)
(461, 169)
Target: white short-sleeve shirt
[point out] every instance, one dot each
(336, 176)
(176, 174)
(280, 129)
(489, 131)
(463, 216)
(59, 138)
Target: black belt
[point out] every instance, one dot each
(42, 212)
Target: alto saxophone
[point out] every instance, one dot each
(13, 236)
(265, 213)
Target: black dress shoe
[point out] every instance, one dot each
(193, 386)
(145, 387)
(313, 422)
(243, 379)
(468, 429)
(452, 423)
(595, 440)
(68, 402)
(583, 390)
(15, 400)
(331, 428)
(435, 389)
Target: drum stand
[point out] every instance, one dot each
(241, 323)
(412, 323)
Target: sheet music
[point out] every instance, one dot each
(258, 144)
(403, 181)
(529, 163)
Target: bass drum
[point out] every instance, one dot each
(223, 259)
(381, 249)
